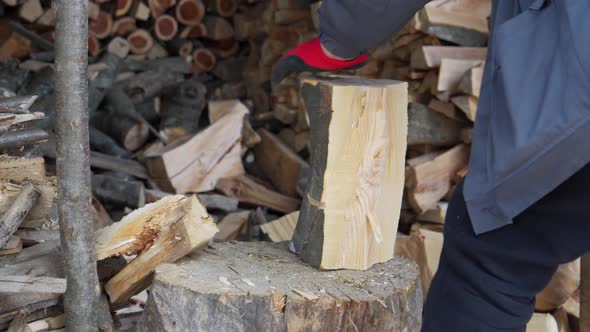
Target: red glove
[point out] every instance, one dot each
(309, 56)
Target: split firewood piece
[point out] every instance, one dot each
(446, 108)
(159, 7)
(429, 177)
(118, 190)
(14, 245)
(219, 108)
(423, 247)
(141, 11)
(47, 19)
(196, 165)
(19, 169)
(118, 46)
(93, 10)
(435, 215)
(166, 27)
(30, 10)
(223, 8)
(100, 216)
(190, 12)
(42, 211)
(102, 26)
(429, 127)
(272, 152)
(123, 7)
(452, 71)
(470, 84)
(281, 229)
(140, 41)
(427, 57)
(467, 104)
(562, 286)
(250, 137)
(203, 60)
(358, 147)
(232, 226)
(49, 323)
(17, 212)
(540, 322)
(218, 28)
(124, 26)
(464, 29)
(173, 232)
(19, 324)
(181, 108)
(27, 284)
(194, 32)
(298, 141)
(246, 190)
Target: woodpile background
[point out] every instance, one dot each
(181, 103)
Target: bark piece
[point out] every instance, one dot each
(246, 190)
(429, 178)
(191, 228)
(13, 217)
(195, 165)
(190, 12)
(278, 162)
(281, 229)
(289, 296)
(358, 142)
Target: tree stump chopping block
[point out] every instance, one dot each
(257, 286)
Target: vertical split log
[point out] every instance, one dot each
(73, 165)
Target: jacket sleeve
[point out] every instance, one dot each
(349, 28)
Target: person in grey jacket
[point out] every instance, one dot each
(524, 205)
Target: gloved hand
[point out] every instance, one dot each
(309, 56)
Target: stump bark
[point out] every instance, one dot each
(256, 286)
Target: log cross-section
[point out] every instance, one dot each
(350, 212)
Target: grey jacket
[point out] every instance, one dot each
(532, 128)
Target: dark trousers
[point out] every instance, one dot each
(489, 282)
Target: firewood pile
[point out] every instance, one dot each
(181, 103)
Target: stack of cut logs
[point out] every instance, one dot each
(181, 103)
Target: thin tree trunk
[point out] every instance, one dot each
(73, 165)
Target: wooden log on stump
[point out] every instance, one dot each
(226, 291)
(358, 147)
(165, 27)
(190, 12)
